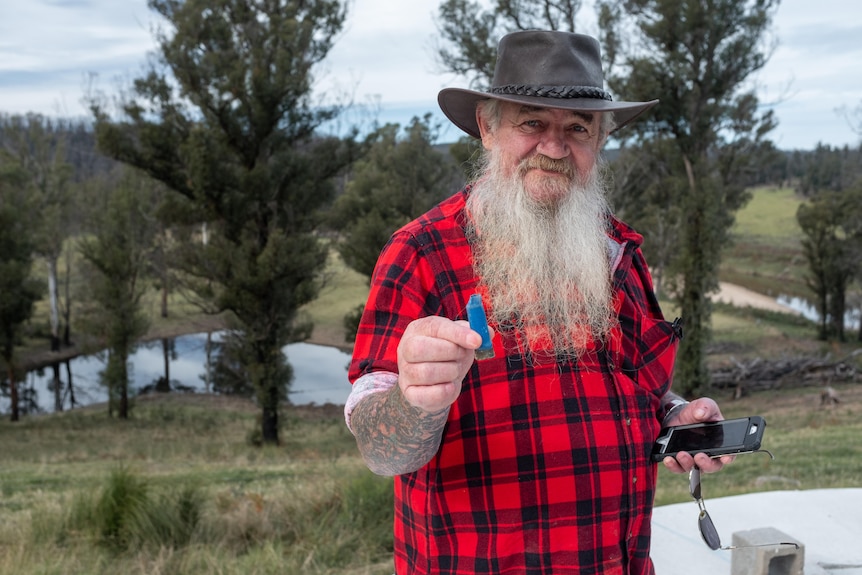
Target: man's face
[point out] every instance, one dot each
(549, 148)
(538, 230)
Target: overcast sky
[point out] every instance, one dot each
(48, 49)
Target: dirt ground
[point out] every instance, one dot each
(741, 297)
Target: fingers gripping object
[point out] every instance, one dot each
(479, 324)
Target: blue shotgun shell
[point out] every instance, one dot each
(479, 324)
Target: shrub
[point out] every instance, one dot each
(125, 515)
(123, 499)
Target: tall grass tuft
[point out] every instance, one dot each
(122, 501)
(126, 515)
(169, 521)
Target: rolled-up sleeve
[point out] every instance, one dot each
(368, 384)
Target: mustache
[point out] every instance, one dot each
(542, 162)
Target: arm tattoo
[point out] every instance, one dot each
(393, 436)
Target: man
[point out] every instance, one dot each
(538, 460)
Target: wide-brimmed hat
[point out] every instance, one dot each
(546, 69)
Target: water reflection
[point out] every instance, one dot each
(809, 311)
(320, 374)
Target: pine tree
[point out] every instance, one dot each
(225, 119)
(697, 57)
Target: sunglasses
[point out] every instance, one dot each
(705, 524)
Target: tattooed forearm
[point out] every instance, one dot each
(393, 436)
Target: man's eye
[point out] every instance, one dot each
(581, 132)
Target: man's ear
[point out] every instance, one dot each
(603, 138)
(484, 129)
(601, 143)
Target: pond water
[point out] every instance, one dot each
(809, 311)
(320, 373)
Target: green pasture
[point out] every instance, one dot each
(765, 253)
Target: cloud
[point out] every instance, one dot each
(68, 3)
(49, 47)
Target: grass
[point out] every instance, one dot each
(343, 290)
(178, 489)
(771, 215)
(815, 447)
(765, 253)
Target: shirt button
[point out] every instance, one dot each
(634, 479)
(629, 421)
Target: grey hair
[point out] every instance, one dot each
(491, 110)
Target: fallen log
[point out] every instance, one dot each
(760, 374)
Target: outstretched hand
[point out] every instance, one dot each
(698, 411)
(434, 356)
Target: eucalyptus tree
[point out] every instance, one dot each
(18, 290)
(121, 229)
(40, 147)
(853, 229)
(225, 118)
(699, 57)
(827, 168)
(831, 243)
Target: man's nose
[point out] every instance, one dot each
(554, 144)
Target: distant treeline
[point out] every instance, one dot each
(825, 168)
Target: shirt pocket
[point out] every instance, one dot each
(646, 352)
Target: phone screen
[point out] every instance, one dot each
(709, 437)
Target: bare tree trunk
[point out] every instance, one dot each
(13, 391)
(67, 309)
(52, 299)
(269, 419)
(58, 391)
(837, 309)
(164, 296)
(123, 410)
(71, 387)
(164, 383)
(209, 351)
(112, 389)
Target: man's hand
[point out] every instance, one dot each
(434, 355)
(698, 411)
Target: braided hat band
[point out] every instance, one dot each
(560, 92)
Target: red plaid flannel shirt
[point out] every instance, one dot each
(542, 468)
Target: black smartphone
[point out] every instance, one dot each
(716, 438)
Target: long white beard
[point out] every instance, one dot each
(545, 267)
